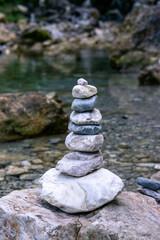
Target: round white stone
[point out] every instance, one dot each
(84, 143)
(93, 117)
(86, 91)
(82, 194)
(82, 82)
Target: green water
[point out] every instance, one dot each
(19, 74)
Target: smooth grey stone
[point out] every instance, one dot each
(82, 82)
(79, 164)
(93, 117)
(84, 143)
(80, 194)
(148, 183)
(86, 91)
(84, 129)
(84, 105)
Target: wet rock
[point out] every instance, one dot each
(150, 75)
(36, 161)
(80, 194)
(84, 143)
(29, 176)
(86, 91)
(157, 166)
(2, 174)
(6, 35)
(34, 33)
(2, 17)
(25, 163)
(30, 114)
(156, 176)
(19, 206)
(4, 163)
(93, 117)
(22, 9)
(84, 105)
(15, 171)
(55, 140)
(79, 164)
(84, 129)
(148, 183)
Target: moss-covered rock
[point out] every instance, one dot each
(131, 59)
(137, 43)
(34, 33)
(29, 115)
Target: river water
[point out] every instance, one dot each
(131, 118)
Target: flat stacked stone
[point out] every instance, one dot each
(79, 183)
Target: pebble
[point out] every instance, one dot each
(148, 183)
(83, 194)
(82, 82)
(25, 163)
(84, 129)
(86, 91)
(55, 140)
(93, 117)
(84, 105)
(36, 161)
(79, 164)
(157, 166)
(29, 177)
(84, 143)
(14, 171)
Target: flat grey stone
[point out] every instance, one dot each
(82, 194)
(93, 117)
(82, 82)
(84, 105)
(84, 143)
(86, 91)
(78, 164)
(84, 129)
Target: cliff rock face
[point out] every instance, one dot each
(138, 41)
(131, 216)
(30, 114)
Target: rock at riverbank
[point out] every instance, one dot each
(137, 43)
(30, 114)
(130, 216)
(150, 75)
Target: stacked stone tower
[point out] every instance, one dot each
(85, 138)
(79, 183)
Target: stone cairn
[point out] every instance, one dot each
(79, 183)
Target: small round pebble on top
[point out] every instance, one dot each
(82, 82)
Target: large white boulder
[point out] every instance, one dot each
(82, 194)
